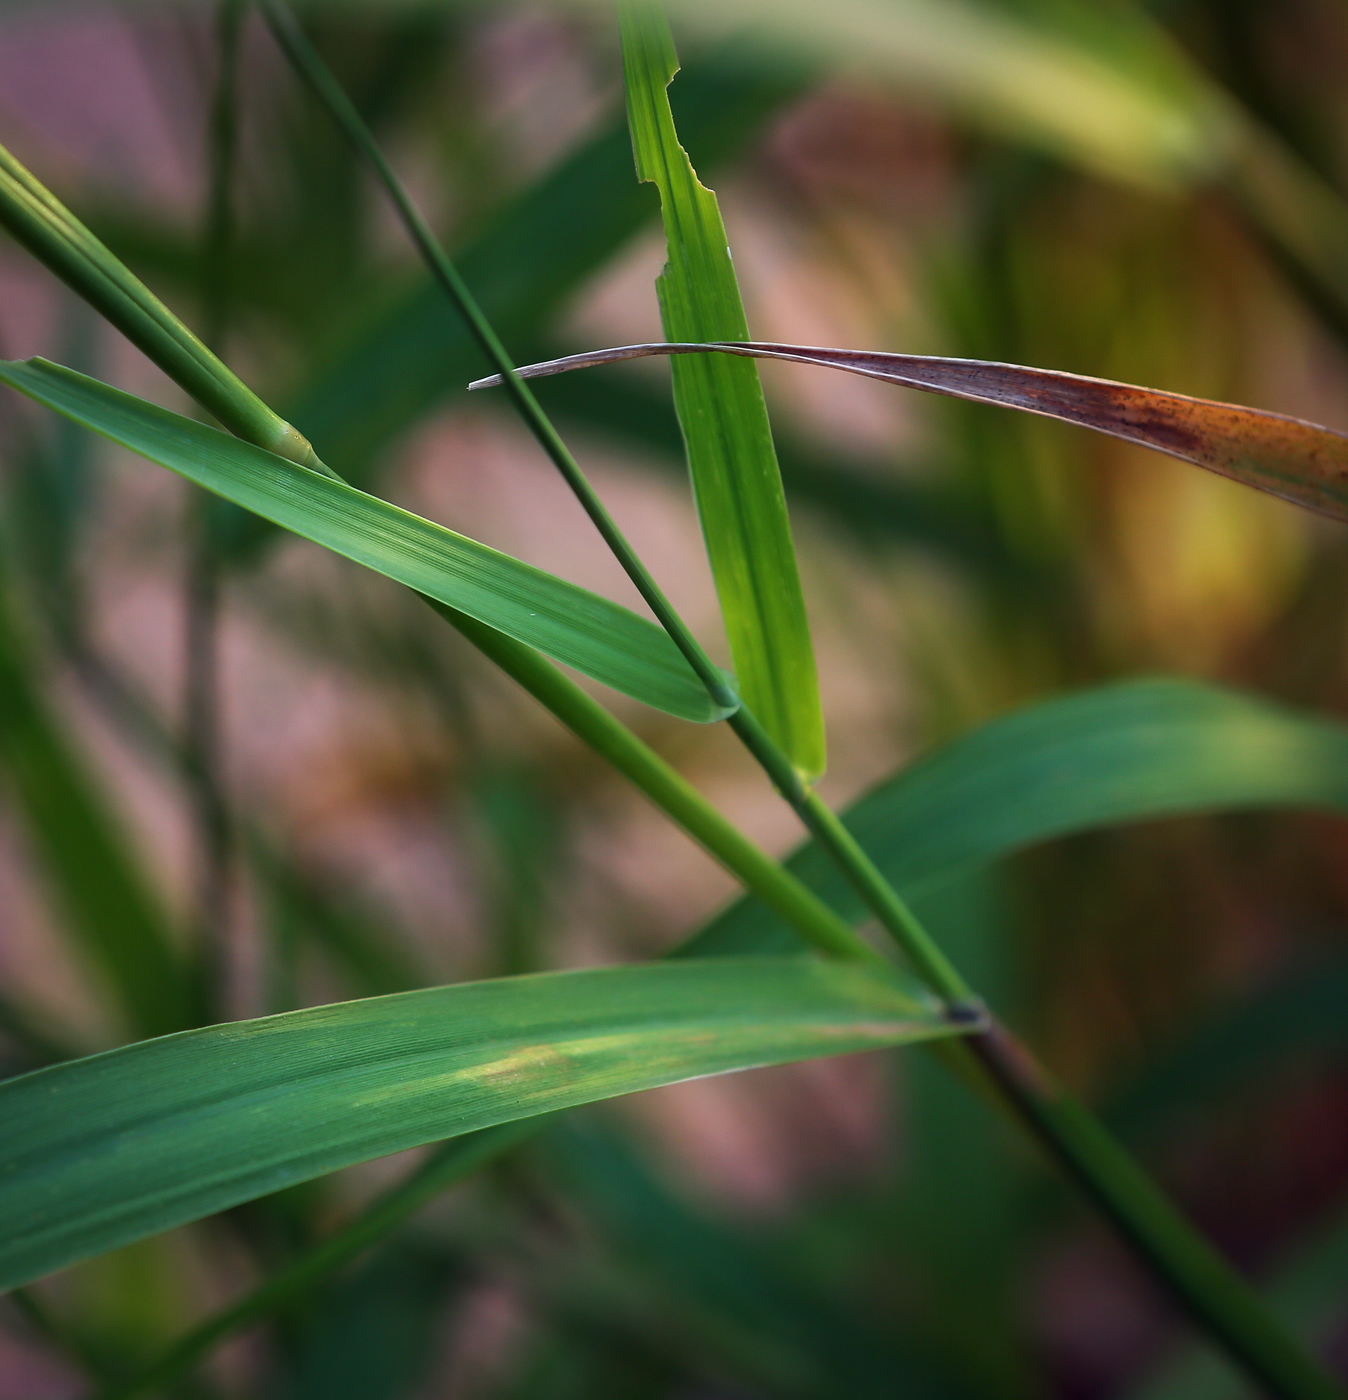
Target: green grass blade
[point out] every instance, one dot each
(525, 262)
(169, 1130)
(602, 639)
(43, 225)
(751, 1299)
(736, 480)
(1117, 754)
(101, 894)
(1298, 1013)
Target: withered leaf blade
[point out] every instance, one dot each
(1287, 457)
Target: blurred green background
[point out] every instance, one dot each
(300, 773)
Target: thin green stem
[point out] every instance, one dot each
(887, 906)
(673, 794)
(1194, 1274)
(295, 44)
(879, 896)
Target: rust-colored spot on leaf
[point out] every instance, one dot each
(1298, 461)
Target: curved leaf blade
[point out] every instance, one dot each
(1286, 457)
(737, 484)
(1120, 753)
(105, 1150)
(572, 625)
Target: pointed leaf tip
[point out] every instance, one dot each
(1297, 461)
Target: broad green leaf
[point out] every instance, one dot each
(570, 624)
(1298, 461)
(736, 481)
(102, 1151)
(102, 896)
(1120, 753)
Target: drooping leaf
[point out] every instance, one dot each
(1116, 754)
(736, 481)
(600, 638)
(105, 1150)
(845, 491)
(1298, 461)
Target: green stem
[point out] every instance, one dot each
(1194, 1274)
(295, 44)
(879, 896)
(43, 225)
(674, 795)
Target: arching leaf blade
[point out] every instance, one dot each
(1297, 461)
(736, 480)
(105, 1150)
(1120, 753)
(600, 638)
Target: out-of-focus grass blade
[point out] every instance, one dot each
(959, 1216)
(1287, 457)
(1299, 1012)
(736, 481)
(374, 1336)
(1116, 754)
(1306, 1293)
(755, 1304)
(521, 266)
(102, 1151)
(570, 624)
(101, 894)
(1120, 100)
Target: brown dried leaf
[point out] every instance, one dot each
(1301, 462)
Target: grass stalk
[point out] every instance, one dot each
(1205, 1286)
(307, 62)
(1197, 1278)
(1196, 1275)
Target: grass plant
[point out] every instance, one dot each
(206, 1115)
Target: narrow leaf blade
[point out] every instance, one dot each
(104, 898)
(1286, 457)
(105, 1150)
(570, 624)
(736, 480)
(1120, 753)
